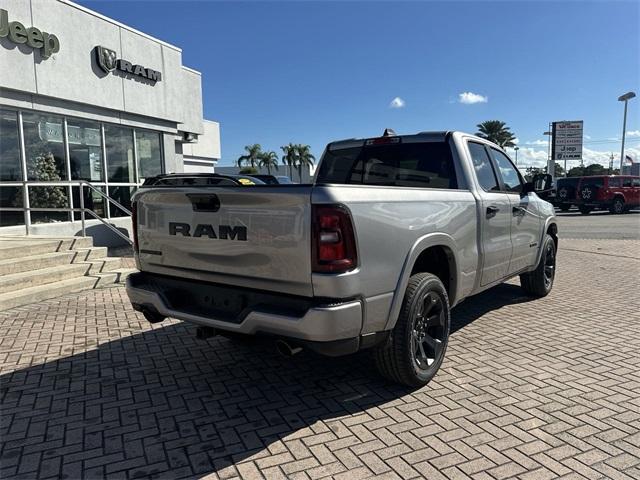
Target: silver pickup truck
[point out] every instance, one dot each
(393, 233)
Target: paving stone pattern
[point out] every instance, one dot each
(529, 389)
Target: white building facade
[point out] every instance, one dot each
(86, 98)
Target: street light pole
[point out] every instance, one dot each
(516, 148)
(551, 169)
(624, 98)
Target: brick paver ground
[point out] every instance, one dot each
(529, 389)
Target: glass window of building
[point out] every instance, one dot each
(10, 169)
(85, 150)
(122, 195)
(44, 147)
(120, 155)
(149, 153)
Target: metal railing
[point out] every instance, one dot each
(83, 210)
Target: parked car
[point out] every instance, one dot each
(201, 179)
(565, 193)
(394, 231)
(616, 193)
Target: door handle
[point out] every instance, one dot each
(519, 211)
(491, 211)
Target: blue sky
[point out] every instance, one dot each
(312, 72)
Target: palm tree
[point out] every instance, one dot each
(268, 159)
(497, 132)
(252, 157)
(289, 156)
(303, 158)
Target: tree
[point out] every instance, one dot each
(576, 171)
(248, 171)
(531, 172)
(44, 169)
(497, 132)
(289, 156)
(268, 159)
(303, 158)
(252, 157)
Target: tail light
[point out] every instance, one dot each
(333, 241)
(134, 225)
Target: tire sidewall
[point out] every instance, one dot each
(429, 284)
(543, 259)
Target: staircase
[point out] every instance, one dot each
(33, 269)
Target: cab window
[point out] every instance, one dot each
(508, 172)
(626, 182)
(483, 167)
(615, 183)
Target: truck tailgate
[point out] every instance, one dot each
(255, 237)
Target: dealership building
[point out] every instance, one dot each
(86, 98)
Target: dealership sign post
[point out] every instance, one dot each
(566, 141)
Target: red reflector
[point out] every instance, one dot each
(333, 240)
(382, 140)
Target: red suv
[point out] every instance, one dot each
(617, 193)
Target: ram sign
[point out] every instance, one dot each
(567, 140)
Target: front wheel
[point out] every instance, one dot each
(415, 349)
(617, 207)
(539, 282)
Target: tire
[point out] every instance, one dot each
(617, 207)
(539, 282)
(585, 210)
(153, 317)
(416, 346)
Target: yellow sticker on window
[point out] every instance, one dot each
(246, 181)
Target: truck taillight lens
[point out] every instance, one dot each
(134, 224)
(333, 241)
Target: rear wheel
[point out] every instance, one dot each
(617, 207)
(415, 349)
(539, 282)
(153, 317)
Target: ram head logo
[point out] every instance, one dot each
(106, 58)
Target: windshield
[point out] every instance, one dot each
(426, 165)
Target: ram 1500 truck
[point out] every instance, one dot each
(393, 232)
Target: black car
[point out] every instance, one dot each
(565, 194)
(201, 179)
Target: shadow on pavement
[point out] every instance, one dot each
(163, 404)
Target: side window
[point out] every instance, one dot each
(614, 183)
(509, 173)
(626, 182)
(483, 168)
(636, 182)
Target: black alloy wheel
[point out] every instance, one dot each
(428, 332)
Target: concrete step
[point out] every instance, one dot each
(28, 246)
(40, 293)
(93, 253)
(34, 262)
(43, 276)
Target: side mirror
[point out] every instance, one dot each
(542, 182)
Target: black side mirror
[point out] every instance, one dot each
(541, 182)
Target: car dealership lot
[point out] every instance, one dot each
(530, 389)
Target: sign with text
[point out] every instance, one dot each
(567, 140)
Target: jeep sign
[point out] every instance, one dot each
(108, 61)
(17, 33)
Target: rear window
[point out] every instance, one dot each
(593, 182)
(195, 181)
(422, 165)
(568, 182)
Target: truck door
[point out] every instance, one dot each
(525, 219)
(495, 219)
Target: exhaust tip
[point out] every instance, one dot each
(287, 350)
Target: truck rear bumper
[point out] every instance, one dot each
(305, 321)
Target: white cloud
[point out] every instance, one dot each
(588, 137)
(529, 156)
(540, 143)
(469, 98)
(397, 103)
(633, 133)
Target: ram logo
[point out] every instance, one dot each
(224, 232)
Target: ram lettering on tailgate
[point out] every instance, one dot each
(225, 232)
